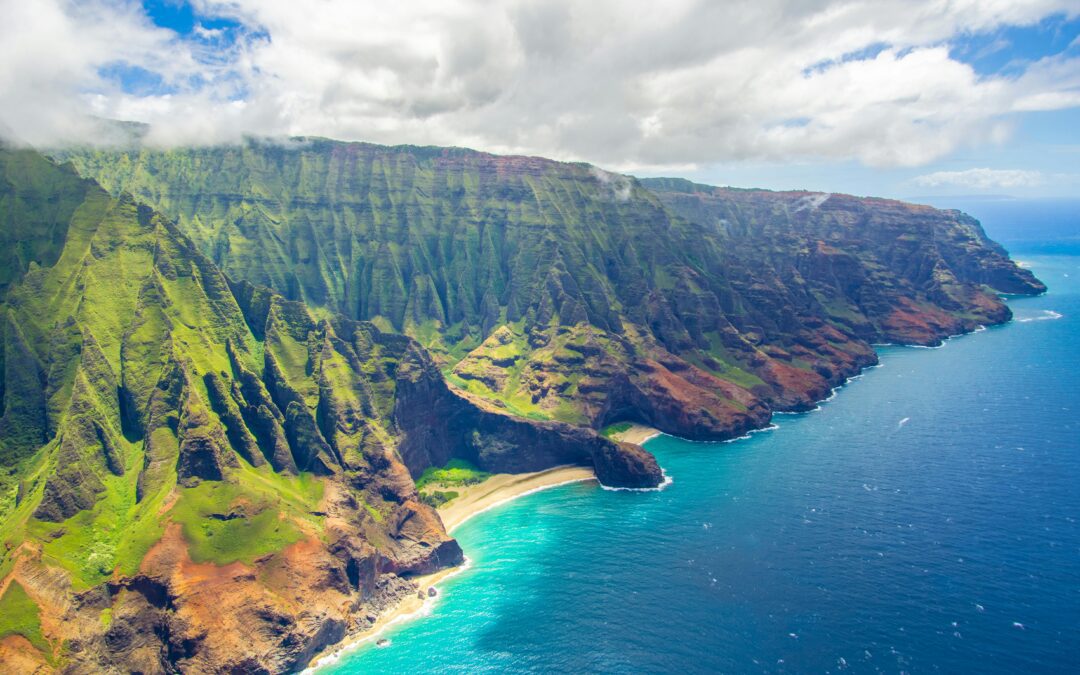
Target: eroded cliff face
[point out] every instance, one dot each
(563, 292)
(206, 474)
(200, 475)
(781, 300)
(441, 424)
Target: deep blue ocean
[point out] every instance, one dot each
(925, 519)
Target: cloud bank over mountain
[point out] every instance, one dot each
(628, 85)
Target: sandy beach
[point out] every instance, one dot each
(503, 487)
(471, 500)
(637, 433)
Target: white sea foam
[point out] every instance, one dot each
(772, 427)
(650, 437)
(429, 602)
(511, 498)
(349, 646)
(1047, 315)
(832, 394)
(668, 480)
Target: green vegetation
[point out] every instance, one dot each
(617, 428)
(437, 498)
(20, 615)
(139, 387)
(537, 284)
(457, 472)
(224, 523)
(375, 513)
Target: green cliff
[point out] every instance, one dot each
(223, 369)
(560, 291)
(197, 473)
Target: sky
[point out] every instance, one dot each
(900, 98)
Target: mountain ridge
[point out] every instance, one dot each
(453, 246)
(222, 375)
(162, 424)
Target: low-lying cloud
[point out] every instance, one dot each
(623, 83)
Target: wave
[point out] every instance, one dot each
(771, 427)
(832, 394)
(1047, 315)
(518, 495)
(650, 437)
(425, 609)
(668, 480)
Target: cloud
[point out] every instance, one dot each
(623, 83)
(981, 179)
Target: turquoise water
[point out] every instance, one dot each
(927, 518)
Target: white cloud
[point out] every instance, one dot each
(981, 179)
(617, 82)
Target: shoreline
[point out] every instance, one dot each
(500, 489)
(637, 434)
(410, 607)
(471, 501)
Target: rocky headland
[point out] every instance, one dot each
(223, 369)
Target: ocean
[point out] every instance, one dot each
(926, 518)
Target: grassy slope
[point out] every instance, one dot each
(20, 615)
(456, 473)
(435, 482)
(444, 244)
(96, 291)
(449, 245)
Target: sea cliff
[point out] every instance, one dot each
(224, 368)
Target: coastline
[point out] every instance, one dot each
(471, 501)
(637, 434)
(499, 489)
(410, 607)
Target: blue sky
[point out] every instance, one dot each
(903, 98)
(1047, 142)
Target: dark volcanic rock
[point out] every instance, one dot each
(625, 465)
(440, 424)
